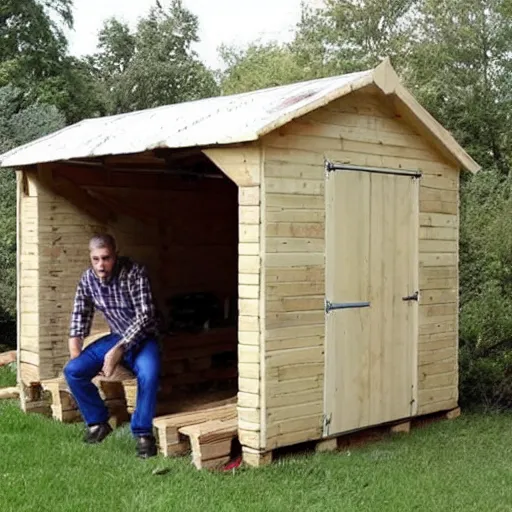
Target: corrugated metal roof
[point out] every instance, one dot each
(221, 120)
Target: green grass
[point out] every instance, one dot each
(465, 464)
(7, 376)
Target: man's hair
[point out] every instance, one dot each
(102, 240)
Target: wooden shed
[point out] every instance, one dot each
(324, 218)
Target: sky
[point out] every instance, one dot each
(220, 21)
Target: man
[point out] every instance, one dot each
(120, 289)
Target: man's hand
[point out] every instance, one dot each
(112, 359)
(75, 347)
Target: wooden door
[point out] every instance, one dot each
(371, 267)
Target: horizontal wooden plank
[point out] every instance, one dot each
(437, 395)
(291, 201)
(248, 414)
(287, 170)
(249, 264)
(438, 246)
(429, 233)
(287, 259)
(294, 411)
(291, 343)
(249, 370)
(248, 323)
(297, 398)
(438, 355)
(310, 274)
(298, 356)
(436, 368)
(248, 291)
(249, 249)
(438, 296)
(248, 279)
(249, 385)
(249, 233)
(289, 304)
(248, 338)
(439, 207)
(449, 182)
(249, 196)
(437, 260)
(438, 220)
(278, 388)
(429, 311)
(278, 215)
(439, 381)
(248, 354)
(294, 245)
(294, 186)
(381, 135)
(275, 291)
(289, 230)
(248, 400)
(296, 371)
(429, 408)
(299, 318)
(284, 333)
(249, 215)
(434, 326)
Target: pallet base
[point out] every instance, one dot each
(351, 440)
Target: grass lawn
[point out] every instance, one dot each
(7, 376)
(465, 464)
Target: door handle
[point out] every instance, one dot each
(414, 296)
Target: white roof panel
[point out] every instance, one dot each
(221, 120)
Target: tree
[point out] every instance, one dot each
(18, 124)
(258, 66)
(156, 65)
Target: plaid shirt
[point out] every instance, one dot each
(125, 300)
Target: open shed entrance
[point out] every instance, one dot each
(176, 213)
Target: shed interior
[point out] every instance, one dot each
(177, 213)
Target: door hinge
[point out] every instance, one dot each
(327, 424)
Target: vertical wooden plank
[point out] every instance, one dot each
(376, 294)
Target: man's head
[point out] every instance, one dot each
(102, 250)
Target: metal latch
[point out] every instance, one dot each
(329, 306)
(414, 296)
(327, 423)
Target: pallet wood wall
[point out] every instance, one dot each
(186, 238)
(360, 129)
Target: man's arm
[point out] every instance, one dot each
(81, 319)
(140, 291)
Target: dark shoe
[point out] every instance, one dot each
(146, 446)
(96, 433)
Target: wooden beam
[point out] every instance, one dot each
(241, 164)
(387, 80)
(75, 195)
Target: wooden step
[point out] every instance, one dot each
(211, 442)
(168, 426)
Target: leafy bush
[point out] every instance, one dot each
(486, 291)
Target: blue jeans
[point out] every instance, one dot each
(143, 361)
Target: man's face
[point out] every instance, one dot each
(103, 261)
